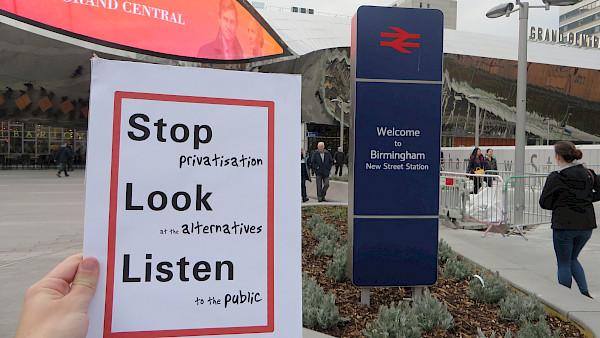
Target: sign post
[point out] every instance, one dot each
(190, 208)
(395, 147)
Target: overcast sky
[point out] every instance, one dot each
(471, 13)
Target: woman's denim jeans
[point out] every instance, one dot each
(567, 246)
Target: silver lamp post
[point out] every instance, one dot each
(547, 119)
(343, 111)
(476, 98)
(506, 9)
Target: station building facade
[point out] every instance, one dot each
(581, 19)
(45, 78)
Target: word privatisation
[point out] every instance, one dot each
(243, 161)
(134, 8)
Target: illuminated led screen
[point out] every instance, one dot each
(207, 29)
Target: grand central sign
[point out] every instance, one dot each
(573, 39)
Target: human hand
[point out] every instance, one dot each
(56, 306)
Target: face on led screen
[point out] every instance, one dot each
(207, 29)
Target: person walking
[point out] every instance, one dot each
(569, 193)
(64, 154)
(305, 176)
(490, 164)
(70, 160)
(476, 162)
(321, 163)
(339, 159)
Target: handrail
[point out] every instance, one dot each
(500, 179)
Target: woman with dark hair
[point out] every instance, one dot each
(476, 161)
(569, 193)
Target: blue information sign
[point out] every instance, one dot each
(395, 147)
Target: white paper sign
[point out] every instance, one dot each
(192, 201)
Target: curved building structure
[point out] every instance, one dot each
(45, 77)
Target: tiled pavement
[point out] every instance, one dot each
(41, 223)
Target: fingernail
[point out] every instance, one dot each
(89, 264)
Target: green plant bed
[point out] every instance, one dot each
(468, 314)
(343, 178)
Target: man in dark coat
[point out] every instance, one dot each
(339, 159)
(226, 45)
(64, 154)
(321, 162)
(305, 176)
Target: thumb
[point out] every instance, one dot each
(85, 282)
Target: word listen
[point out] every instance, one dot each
(180, 200)
(201, 270)
(179, 133)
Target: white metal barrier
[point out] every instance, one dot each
(470, 197)
(461, 166)
(525, 211)
(496, 201)
(507, 168)
(453, 196)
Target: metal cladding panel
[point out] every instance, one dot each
(402, 186)
(395, 251)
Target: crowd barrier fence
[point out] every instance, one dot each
(501, 201)
(525, 211)
(459, 202)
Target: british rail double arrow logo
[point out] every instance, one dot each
(399, 43)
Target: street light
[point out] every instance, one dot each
(500, 10)
(547, 119)
(343, 111)
(476, 98)
(520, 141)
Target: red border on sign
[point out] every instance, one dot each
(112, 217)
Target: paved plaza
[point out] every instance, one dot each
(41, 223)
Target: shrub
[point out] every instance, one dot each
(480, 334)
(431, 313)
(445, 252)
(318, 308)
(336, 269)
(323, 231)
(458, 269)
(325, 247)
(495, 289)
(340, 213)
(539, 330)
(521, 308)
(313, 221)
(344, 240)
(394, 321)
